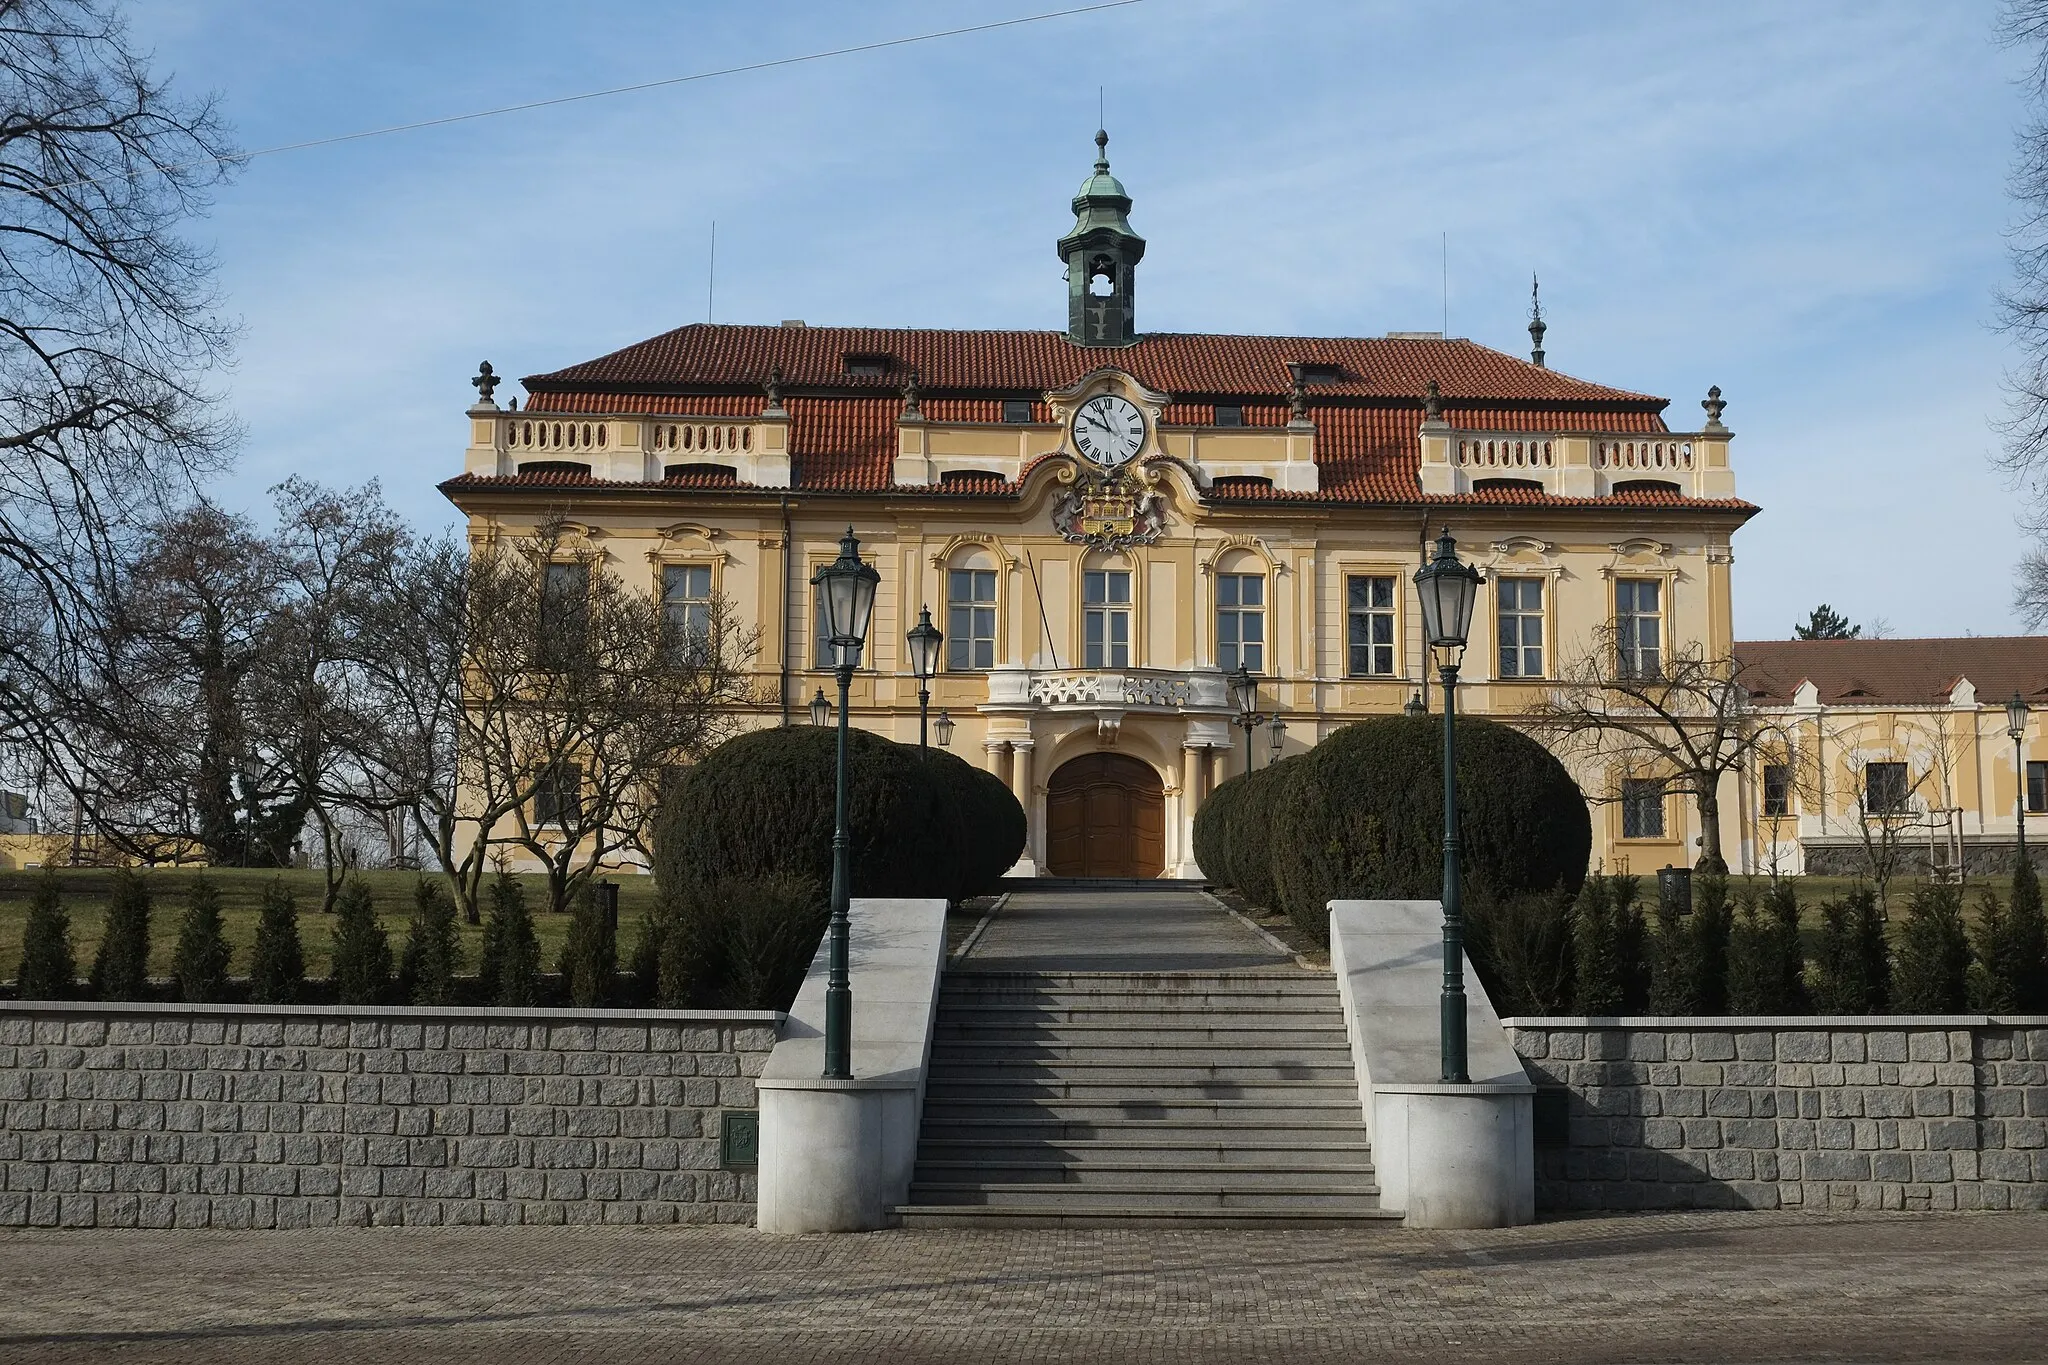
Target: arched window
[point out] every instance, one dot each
(1106, 614)
(1241, 613)
(971, 612)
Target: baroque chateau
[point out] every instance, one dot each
(1106, 523)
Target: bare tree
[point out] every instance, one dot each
(108, 333)
(530, 697)
(2023, 305)
(1685, 721)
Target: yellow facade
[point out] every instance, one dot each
(1040, 698)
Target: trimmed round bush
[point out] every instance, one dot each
(1360, 816)
(1214, 821)
(761, 805)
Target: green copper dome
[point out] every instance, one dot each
(1101, 202)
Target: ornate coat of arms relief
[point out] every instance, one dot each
(1109, 509)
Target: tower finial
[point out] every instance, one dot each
(1101, 149)
(1536, 324)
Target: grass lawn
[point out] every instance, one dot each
(86, 890)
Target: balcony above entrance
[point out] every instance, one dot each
(1197, 691)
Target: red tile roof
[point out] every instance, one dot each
(843, 426)
(1915, 672)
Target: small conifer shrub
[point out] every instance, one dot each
(1932, 965)
(508, 968)
(200, 969)
(433, 947)
(277, 970)
(1689, 962)
(49, 967)
(120, 969)
(590, 954)
(1766, 961)
(2010, 975)
(362, 951)
(1853, 972)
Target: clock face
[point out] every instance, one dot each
(1109, 429)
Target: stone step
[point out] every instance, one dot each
(1094, 1107)
(1121, 1155)
(1136, 1085)
(929, 1216)
(954, 1053)
(1178, 1193)
(1092, 1175)
(1114, 1017)
(1181, 997)
(1151, 1034)
(1207, 1131)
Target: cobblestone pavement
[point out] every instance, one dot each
(1667, 1287)
(1116, 930)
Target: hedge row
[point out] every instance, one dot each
(1360, 816)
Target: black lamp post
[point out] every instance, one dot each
(1449, 590)
(2016, 726)
(924, 641)
(847, 586)
(943, 727)
(1278, 729)
(821, 709)
(1244, 690)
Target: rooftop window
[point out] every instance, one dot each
(1017, 410)
(1318, 372)
(1230, 414)
(866, 364)
(1646, 486)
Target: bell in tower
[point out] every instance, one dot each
(1102, 254)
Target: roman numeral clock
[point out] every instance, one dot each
(1108, 501)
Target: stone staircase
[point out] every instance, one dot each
(1103, 1098)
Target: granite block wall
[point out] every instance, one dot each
(1812, 1113)
(261, 1117)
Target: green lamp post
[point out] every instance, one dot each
(847, 586)
(1449, 589)
(924, 640)
(2016, 729)
(1244, 691)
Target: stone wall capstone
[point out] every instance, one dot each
(1946, 1112)
(297, 1116)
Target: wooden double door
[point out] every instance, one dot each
(1105, 816)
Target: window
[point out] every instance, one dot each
(1519, 628)
(686, 607)
(1312, 372)
(1884, 789)
(1017, 410)
(1777, 789)
(558, 800)
(865, 365)
(1639, 626)
(1642, 808)
(1369, 615)
(970, 619)
(1106, 618)
(564, 613)
(1230, 414)
(1241, 622)
(2037, 785)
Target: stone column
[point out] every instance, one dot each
(999, 758)
(1191, 766)
(1020, 786)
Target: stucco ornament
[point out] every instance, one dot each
(1109, 509)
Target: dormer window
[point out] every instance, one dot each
(1017, 410)
(866, 365)
(1230, 414)
(1318, 372)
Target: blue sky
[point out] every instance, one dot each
(1804, 204)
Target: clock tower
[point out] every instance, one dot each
(1102, 254)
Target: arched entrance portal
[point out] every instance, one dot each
(1105, 816)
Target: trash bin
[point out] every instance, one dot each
(1674, 890)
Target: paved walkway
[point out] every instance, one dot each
(1118, 929)
(1680, 1288)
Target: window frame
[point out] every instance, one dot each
(1900, 802)
(1240, 613)
(1545, 588)
(2036, 767)
(993, 606)
(1109, 609)
(1628, 658)
(1641, 795)
(676, 640)
(1391, 611)
(1012, 416)
(1781, 798)
(548, 806)
(545, 656)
